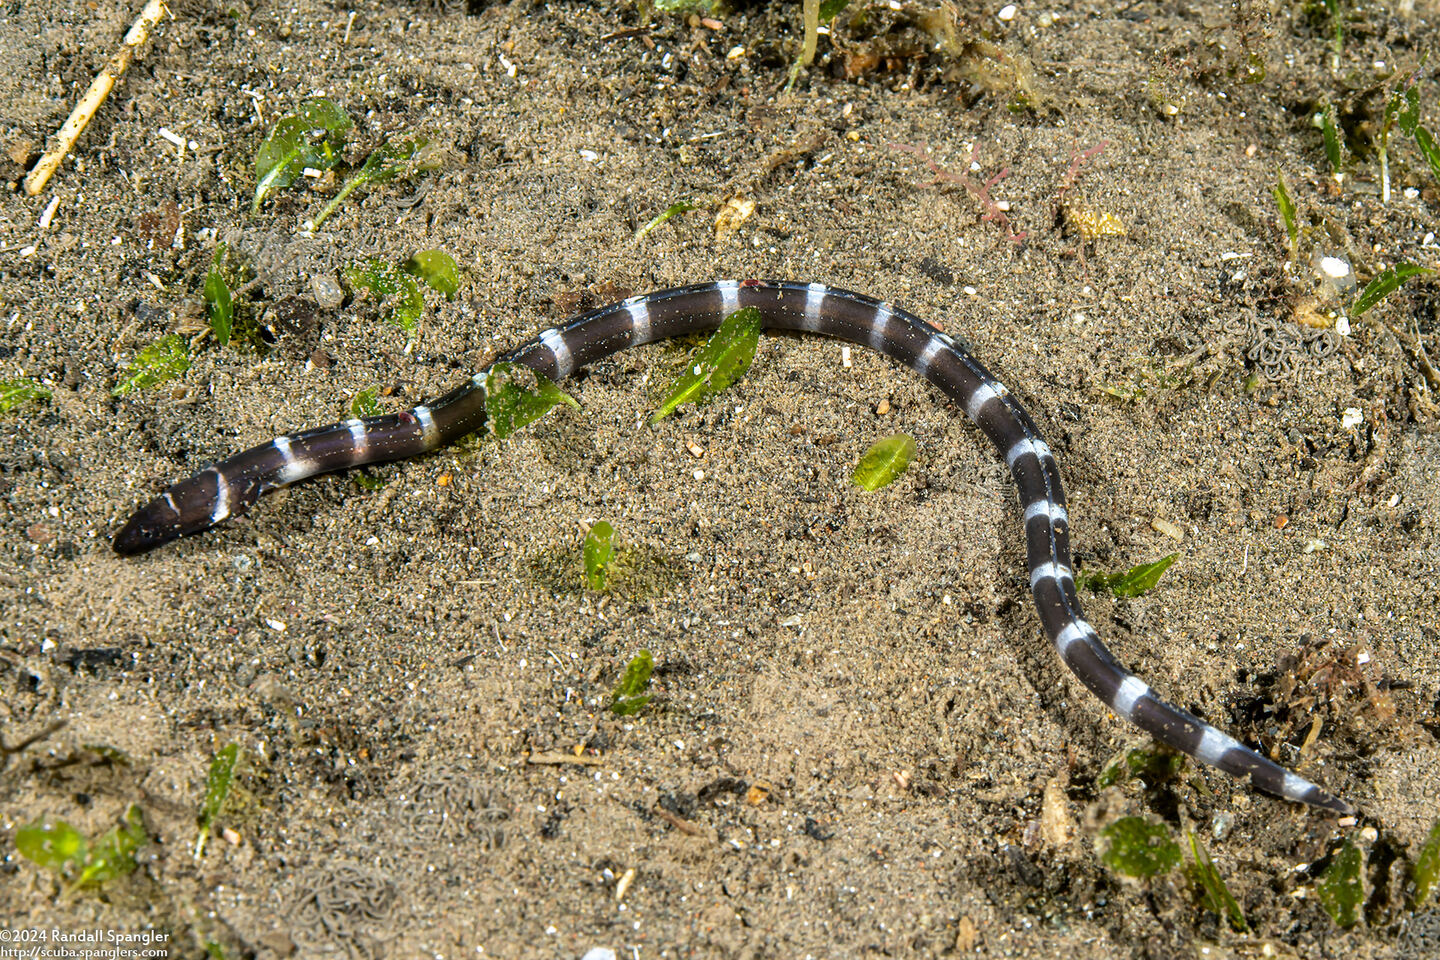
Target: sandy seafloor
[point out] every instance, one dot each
(857, 719)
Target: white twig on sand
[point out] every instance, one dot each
(99, 89)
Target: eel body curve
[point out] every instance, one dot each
(233, 485)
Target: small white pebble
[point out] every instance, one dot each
(277, 625)
(1361, 659)
(623, 886)
(173, 138)
(1428, 239)
(1352, 418)
(48, 214)
(327, 290)
(699, 474)
(735, 53)
(1342, 325)
(1007, 12)
(1002, 205)
(1411, 193)
(1171, 530)
(589, 156)
(970, 291)
(845, 357)
(1334, 267)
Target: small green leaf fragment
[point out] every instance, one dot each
(1427, 868)
(1131, 583)
(20, 391)
(165, 359)
(438, 269)
(1254, 70)
(1153, 766)
(1429, 150)
(509, 405)
(401, 157)
(599, 554)
(113, 855)
(1385, 283)
(1287, 211)
(366, 403)
(63, 850)
(1135, 847)
(675, 209)
(214, 951)
(1339, 889)
(630, 697)
(56, 846)
(311, 137)
(366, 482)
(1334, 150)
(884, 461)
(217, 790)
(1337, 22)
(1111, 775)
(1127, 392)
(830, 9)
(677, 6)
(719, 362)
(1215, 894)
(400, 296)
(1407, 117)
(219, 305)
(1142, 579)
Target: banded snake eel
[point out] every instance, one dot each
(233, 485)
